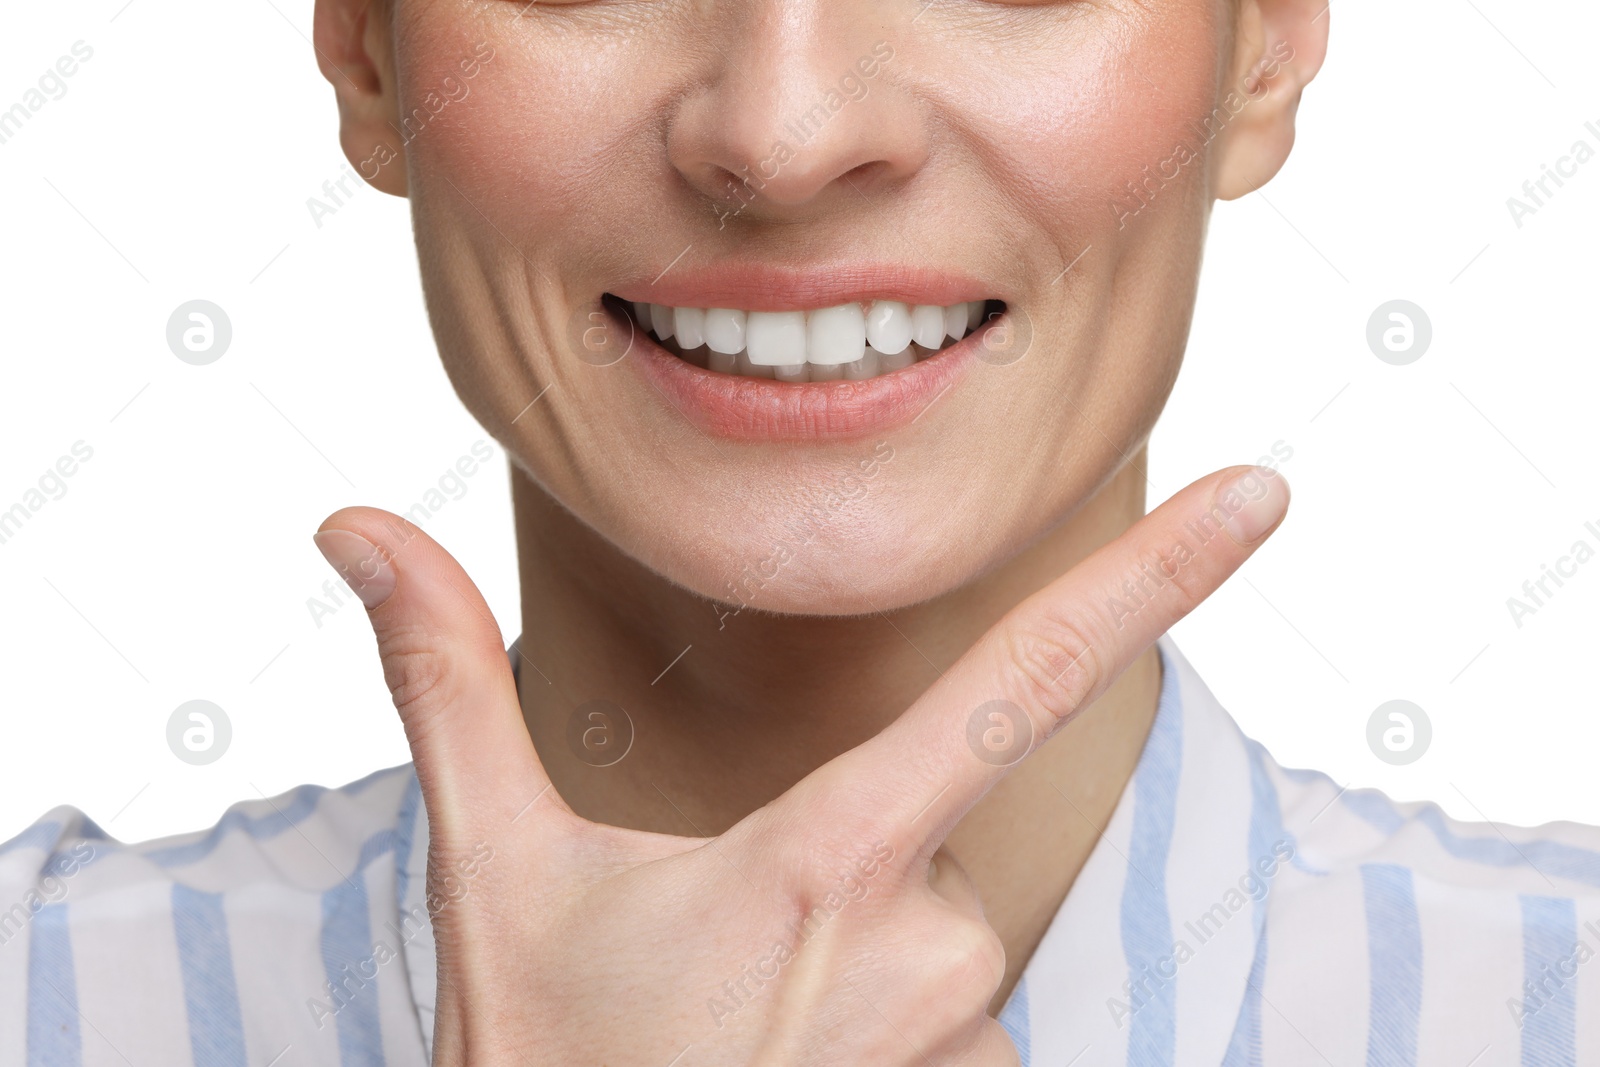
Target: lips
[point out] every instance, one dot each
(738, 408)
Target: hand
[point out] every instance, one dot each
(821, 929)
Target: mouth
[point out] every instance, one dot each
(853, 341)
(749, 351)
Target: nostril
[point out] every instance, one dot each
(864, 176)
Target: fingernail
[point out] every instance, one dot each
(1253, 502)
(359, 562)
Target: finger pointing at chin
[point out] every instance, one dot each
(1047, 659)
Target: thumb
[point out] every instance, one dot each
(446, 669)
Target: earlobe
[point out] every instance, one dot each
(354, 52)
(1279, 47)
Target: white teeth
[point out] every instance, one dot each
(745, 368)
(865, 367)
(725, 330)
(661, 319)
(690, 326)
(955, 321)
(927, 325)
(898, 361)
(851, 342)
(775, 338)
(889, 326)
(836, 336)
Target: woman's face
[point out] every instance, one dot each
(769, 156)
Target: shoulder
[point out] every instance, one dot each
(1456, 936)
(1298, 907)
(209, 947)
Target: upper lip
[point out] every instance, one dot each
(751, 286)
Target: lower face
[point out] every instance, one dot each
(823, 309)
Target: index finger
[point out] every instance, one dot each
(1050, 657)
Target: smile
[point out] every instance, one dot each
(852, 341)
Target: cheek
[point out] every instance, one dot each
(1105, 111)
(543, 159)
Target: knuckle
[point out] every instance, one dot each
(838, 870)
(994, 1047)
(819, 847)
(1054, 666)
(969, 964)
(417, 670)
(981, 1043)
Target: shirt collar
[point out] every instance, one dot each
(1158, 934)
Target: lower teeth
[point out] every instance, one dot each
(871, 365)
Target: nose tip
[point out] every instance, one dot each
(789, 124)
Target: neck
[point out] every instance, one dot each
(729, 710)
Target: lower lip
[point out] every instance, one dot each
(762, 409)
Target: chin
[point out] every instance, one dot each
(874, 560)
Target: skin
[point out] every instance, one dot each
(998, 142)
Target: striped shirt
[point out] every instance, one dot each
(1234, 912)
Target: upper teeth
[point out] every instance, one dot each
(847, 341)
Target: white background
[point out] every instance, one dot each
(179, 562)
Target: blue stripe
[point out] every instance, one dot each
(1262, 841)
(1244, 1048)
(348, 957)
(1394, 949)
(1014, 1019)
(46, 834)
(1553, 859)
(361, 785)
(301, 804)
(1550, 982)
(406, 826)
(53, 1037)
(216, 1029)
(41, 835)
(1145, 919)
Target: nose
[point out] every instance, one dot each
(800, 108)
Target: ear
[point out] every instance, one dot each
(355, 53)
(1278, 48)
